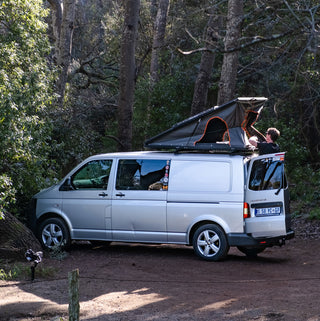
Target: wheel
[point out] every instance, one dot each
(210, 242)
(53, 232)
(251, 251)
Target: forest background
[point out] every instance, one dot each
(80, 77)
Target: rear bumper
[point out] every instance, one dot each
(241, 239)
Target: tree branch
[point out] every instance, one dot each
(115, 139)
(256, 40)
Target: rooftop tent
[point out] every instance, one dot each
(221, 128)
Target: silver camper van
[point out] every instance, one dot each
(209, 201)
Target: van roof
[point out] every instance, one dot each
(166, 154)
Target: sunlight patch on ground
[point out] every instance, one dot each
(217, 305)
(118, 302)
(23, 301)
(16, 295)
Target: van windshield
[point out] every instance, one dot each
(267, 174)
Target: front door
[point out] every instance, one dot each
(266, 194)
(88, 202)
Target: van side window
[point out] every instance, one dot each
(142, 174)
(93, 175)
(267, 174)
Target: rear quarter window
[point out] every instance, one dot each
(200, 176)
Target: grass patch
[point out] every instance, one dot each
(57, 253)
(315, 214)
(22, 271)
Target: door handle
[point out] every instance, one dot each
(120, 194)
(103, 194)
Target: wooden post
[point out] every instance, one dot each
(74, 306)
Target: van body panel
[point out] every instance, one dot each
(208, 181)
(89, 213)
(266, 226)
(182, 217)
(136, 219)
(48, 206)
(206, 176)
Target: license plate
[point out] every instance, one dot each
(266, 211)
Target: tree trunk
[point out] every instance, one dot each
(127, 74)
(230, 63)
(153, 9)
(201, 87)
(56, 6)
(158, 38)
(15, 238)
(63, 25)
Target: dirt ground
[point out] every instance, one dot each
(168, 282)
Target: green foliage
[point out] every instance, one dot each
(7, 193)
(157, 110)
(315, 213)
(58, 253)
(25, 90)
(22, 271)
(7, 275)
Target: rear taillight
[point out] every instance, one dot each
(246, 210)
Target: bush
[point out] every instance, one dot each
(7, 193)
(26, 83)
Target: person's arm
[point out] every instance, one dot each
(254, 132)
(253, 141)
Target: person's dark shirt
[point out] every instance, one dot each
(268, 148)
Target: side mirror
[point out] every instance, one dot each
(67, 185)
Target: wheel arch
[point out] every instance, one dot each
(49, 215)
(196, 225)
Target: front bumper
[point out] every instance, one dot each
(241, 239)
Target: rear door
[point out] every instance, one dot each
(267, 195)
(139, 206)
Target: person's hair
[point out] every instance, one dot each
(274, 133)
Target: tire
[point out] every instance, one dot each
(53, 232)
(251, 251)
(210, 242)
